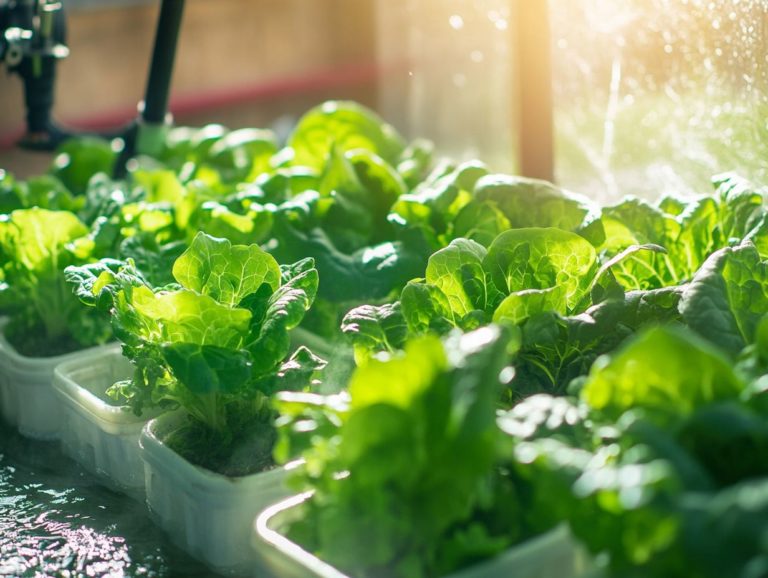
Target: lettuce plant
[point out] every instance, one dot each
(689, 229)
(403, 469)
(215, 342)
(468, 201)
(78, 160)
(549, 283)
(659, 466)
(44, 317)
(342, 218)
(44, 191)
(522, 273)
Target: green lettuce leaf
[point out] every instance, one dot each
(77, 160)
(371, 329)
(347, 126)
(458, 272)
(226, 272)
(727, 297)
(36, 245)
(558, 262)
(665, 370)
(534, 203)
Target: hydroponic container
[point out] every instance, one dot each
(27, 398)
(209, 515)
(96, 432)
(552, 554)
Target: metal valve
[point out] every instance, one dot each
(31, 31)
(17, 44)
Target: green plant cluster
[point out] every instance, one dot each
(403, 466)
(215, 342)
(525, 358)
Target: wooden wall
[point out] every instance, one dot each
(226, 47)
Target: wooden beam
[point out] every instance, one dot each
(533, 79)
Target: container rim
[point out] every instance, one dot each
(555, 539)
(23, 362)
(288, 547)
(163, 458)
(89, 403)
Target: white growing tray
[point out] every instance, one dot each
(27, 399)
(208, 515)
(101, 436)
(553, 554)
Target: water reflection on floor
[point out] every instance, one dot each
(55, 520)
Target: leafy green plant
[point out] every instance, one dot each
(341, 218)
(77, 160)
(548, 283)
(343, 126)
(666, 383)
(215, 342)
(44, 317)
(689, 229)
(45, 192)
(468, 201)
(659, 467)
(403, 469)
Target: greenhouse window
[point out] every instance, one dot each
(658, 96)
(649, 96)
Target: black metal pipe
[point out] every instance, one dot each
(158, 91)
(163, 57)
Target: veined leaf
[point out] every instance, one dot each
(226, 272)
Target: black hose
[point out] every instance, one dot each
(159, 80)
(163, 56)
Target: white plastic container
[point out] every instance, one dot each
(208, 515)
(98, 434)
(27, 399)
(553, 554)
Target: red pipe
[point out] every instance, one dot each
(349, 75)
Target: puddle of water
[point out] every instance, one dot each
(56, 520)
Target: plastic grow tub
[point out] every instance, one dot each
(27, 399)
(552, 554)
(208, 515)
(98, 434)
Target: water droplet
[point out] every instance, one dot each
(477, 56)
(456, 22)
(507, 375)
(459, 80)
